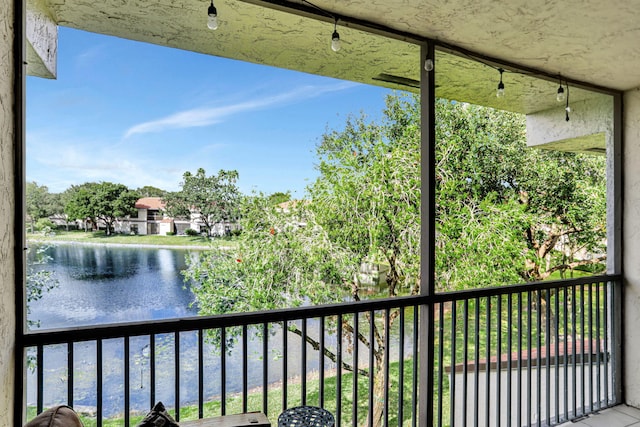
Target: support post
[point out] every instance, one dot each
(428, 235)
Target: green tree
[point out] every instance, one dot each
(151, 191)
(498, 203)
(39, 203)
(103, 201)
(77, 203)
(509, 207)
(210, 199)
(279, 197)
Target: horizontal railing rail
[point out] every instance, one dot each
(495, 354)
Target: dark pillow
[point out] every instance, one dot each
(59, 416)
(158, 417)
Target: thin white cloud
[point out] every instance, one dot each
(199, 117)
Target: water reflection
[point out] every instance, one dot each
(105, 284)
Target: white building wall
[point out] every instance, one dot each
(631, 246)
(7, 213)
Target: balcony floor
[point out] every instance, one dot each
(619, 416)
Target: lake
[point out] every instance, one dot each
(108, 284)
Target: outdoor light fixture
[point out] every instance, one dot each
(560, 96)
(212, 21)
(335, 38)
(428, 64)
(500, 91)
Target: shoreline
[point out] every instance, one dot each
(123, 245)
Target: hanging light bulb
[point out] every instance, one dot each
(500, 91)
(212, 21)
(335, 38)
(428, 64)
(560, 96)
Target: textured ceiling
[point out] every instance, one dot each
(594, 42)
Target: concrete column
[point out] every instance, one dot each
(7, 210)
(631, 246)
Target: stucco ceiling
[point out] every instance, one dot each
(585, 40)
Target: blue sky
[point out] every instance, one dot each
(140, 114)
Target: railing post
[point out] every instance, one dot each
(427, 243)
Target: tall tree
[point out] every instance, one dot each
(495, 210)
(103, 201)
(39, 203)
(151, 191)
(211, 199)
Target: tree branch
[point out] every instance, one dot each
(327, 353)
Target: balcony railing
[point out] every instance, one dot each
(535, 354)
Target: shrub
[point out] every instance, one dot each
(191, 232)
(44, 224)
(171, 233)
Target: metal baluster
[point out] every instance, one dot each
(414, 399)
(223, 371)
(440, 362)
(530, 356)
(127, 379)
(321, 356)
(70, 370)
(265, 368)
(557, 353)
(465, 360)
(476, 356)
(303, 367)
(400, 368)
(488, 367)
(498, 404)
(356, 334)
(599, 347)
(338, 414)
(519, 404)
(40, 378)
(176, 361)
(590, 322)
(245, 370)
(99, 383)
(285, 355)
(452, 398)
(371, 370)
(200, 373)
(152, 370)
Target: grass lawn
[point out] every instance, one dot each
(99, 237)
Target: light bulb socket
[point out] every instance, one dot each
(335, 36)
(212, 11)
(560, 96)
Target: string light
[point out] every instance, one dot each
(500, 91)
(428, 64)
(335, 37)
(212, 21)
(560, 96)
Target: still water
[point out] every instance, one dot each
(107, 284)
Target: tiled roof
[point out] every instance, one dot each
(150, 203)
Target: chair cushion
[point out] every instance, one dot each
(59, 416)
